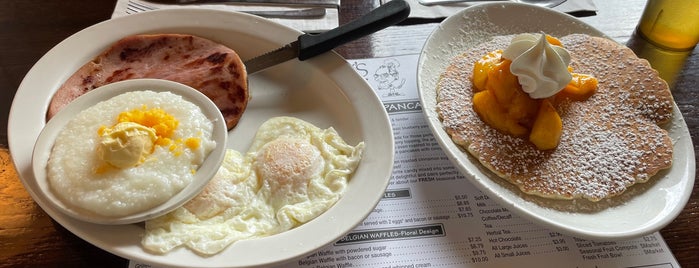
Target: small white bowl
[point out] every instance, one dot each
(45, 142)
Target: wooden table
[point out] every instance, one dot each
(29, 28)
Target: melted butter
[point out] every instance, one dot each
(132, 139)
(126, 144)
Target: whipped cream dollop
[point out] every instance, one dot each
(541, 68)
(126, 144)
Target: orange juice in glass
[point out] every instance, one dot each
(671, 24)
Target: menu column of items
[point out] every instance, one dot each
(431, 216)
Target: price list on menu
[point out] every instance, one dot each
(432, 216)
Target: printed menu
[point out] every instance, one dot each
(432, 216)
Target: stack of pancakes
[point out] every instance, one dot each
(609, 142)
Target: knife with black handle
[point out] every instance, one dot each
(310, 45)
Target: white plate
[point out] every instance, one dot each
(643, 209)
(324, 90)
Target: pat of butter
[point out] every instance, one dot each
(126, 144)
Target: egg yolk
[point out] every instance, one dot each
(501, 103)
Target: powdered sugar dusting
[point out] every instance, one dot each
(609, 142)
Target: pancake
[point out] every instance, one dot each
(609, 142)
(210, 67)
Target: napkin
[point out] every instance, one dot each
(418, 10)
(327, 22)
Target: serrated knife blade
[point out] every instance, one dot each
(310, 45)
(274, 57)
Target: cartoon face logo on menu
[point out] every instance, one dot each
(388, 78)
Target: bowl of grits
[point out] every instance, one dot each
(129, 151)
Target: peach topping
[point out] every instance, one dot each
(501, 103)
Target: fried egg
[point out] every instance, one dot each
(292, 172)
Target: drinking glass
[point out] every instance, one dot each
(671, 24)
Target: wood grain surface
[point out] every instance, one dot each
(29, 28)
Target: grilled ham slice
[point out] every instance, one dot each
(212, 68)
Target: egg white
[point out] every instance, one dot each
(293, 172)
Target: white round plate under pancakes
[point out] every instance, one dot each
(643, 209)
(48, 135)
(324, 91)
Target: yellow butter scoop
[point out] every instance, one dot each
(126, 144)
